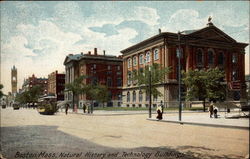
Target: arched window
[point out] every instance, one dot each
(156, 54)
(141, 59)
(210, 57)
(148, 56)
(128, 97)
(199, 58)
(140, 96)
(134, 61)
(134, 96)
(221, 58)
(129, 62)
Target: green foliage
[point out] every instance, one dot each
(142, 78)
(30, 96)
(205, 84)
(94, 92)
(1, 93)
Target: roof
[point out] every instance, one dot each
(186, 33)
(78, 57)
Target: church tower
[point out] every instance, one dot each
(13, 80)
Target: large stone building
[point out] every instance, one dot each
(201, 49)
(102, 69)
(13, 80)
(56, 85)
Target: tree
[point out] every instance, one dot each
(76, 87)
(101, 94)
(29, 96)
(1, 93)
(204, 84)
(142, 77)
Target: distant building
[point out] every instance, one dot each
(205, 48)
(34, 81)
(13, 80)
(56, 82)
(103, 69)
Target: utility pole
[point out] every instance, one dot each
(150, 101)
(179, 72)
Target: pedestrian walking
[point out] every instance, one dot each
(66, 109)
(162, 106)
(159, 112)
(215, 112)
(84, 108)
(211, 109)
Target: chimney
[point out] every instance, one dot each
(81, 53)
(159, 30)
(104, 52)
(89, 52)
(95, 51)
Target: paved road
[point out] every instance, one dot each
(27, 134)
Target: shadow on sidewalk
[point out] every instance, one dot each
(48, 142)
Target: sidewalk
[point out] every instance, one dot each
(203, 119)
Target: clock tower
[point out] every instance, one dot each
(13, 80)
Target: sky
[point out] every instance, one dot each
(37, 36)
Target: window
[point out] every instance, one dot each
(134, 61)
(156, 54)
(155, 98)
(129, 62)
(129, 78)
(148, 57)
(235, 75)
(134, 96)
(234, 58)
(94, 80)
(210, 57)
(118, 68)
(221, 58)
(109, 81)
(119, 81)
(119, 96)
(109, 67)
(94, 66)
(141, 59)
(199, 58)
(128, 97)
(140, 96)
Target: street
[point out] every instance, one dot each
(27, 134)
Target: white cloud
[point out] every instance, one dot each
(41, 49)
(146, 15)
(185, 19)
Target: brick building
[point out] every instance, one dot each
(56, 85)
(201, 49)
(103, 69)
(34, 81)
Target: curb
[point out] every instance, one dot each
(202, 124)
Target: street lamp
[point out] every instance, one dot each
(179, 72)
(150, 101)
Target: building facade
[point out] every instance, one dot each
(100, 69)
(13, 80)
(34, 81)
(205, 48)
(56, 85)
